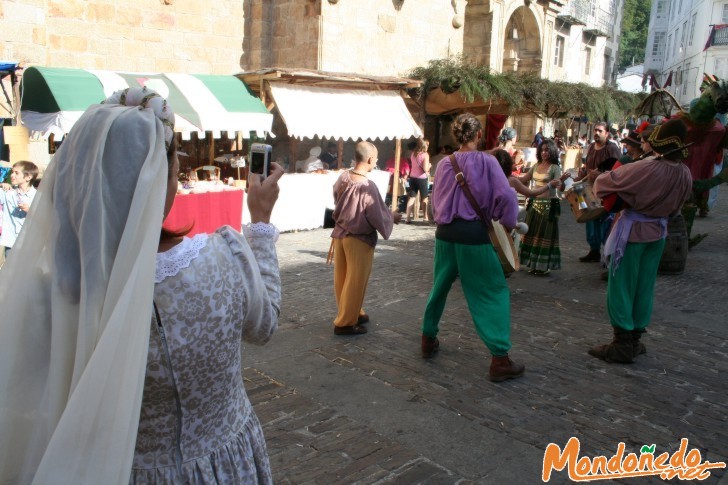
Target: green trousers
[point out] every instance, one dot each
(631, 287)
(485, 289)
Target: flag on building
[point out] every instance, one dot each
(718, 36)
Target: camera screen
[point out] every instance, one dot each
(257, 162)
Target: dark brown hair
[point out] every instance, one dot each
(465, 128)
(504, 160)
(553, 151)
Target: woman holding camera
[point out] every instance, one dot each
(125, 365)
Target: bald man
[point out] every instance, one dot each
(360, 213)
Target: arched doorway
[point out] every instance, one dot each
(522, 43)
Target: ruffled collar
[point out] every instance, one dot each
(179, 257)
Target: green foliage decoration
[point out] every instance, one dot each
(523, 92)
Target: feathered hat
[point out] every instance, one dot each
(669, 138)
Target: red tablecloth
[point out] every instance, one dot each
(208, 211)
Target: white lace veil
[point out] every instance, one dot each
(76, 302)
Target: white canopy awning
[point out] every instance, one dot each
(343, 113)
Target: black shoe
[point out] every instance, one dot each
(362, 319)
(592, 257)
(351, 330)
(430, 346)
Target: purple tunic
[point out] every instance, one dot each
(488, 184)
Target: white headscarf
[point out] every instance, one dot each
(76, 299)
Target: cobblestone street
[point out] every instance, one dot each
(369, 409)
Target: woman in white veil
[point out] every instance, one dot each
(77, 299)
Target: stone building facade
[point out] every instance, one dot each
(568, 40)
(189, 36)
(684, 41)
(574, 40)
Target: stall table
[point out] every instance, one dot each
(207, 211)
(304, 197)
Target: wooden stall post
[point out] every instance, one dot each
(294, 155)
(395, 175)
(340, 153)
(211, 153)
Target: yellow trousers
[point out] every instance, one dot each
(352, 266)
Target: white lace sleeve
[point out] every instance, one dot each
(259, 262)
(260, 229)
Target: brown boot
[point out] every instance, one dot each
(638, 348)
(619, 351)
(430, 346)
(591, 257)
(502, 368)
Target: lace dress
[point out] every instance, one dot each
(196, 423)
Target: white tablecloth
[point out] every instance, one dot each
(303, 198)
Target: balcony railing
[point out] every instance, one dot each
(596, 21)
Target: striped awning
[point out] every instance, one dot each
(54, 98)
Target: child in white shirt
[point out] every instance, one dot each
(15, 199)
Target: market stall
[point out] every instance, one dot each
(207, 106)
(335, 106)
(207, 211)
(303, 197)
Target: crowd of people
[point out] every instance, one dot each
(131, 345)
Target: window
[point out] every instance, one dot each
(669, 45)
(661, 10)
(658, 44)
(685, 78)
(692, 30)
(559, 51)
(682, 38)
(724, 17)
(721, 67)
(587, 60)
(674, 46)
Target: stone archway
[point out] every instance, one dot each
(522, 43)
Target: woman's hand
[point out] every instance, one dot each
(6, 187)
(262, 196)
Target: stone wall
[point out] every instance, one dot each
(189, 36)
(281, 33)
(387, 37)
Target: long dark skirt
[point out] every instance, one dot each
(540, 247)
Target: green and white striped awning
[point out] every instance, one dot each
(52, 99)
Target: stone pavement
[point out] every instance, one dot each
(369, 409)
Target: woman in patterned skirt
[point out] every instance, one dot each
(540, 247)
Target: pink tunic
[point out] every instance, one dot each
(360, 211)
(653, 187)
(417, 161)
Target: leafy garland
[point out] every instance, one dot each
(523, 92)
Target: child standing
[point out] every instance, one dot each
(15, 199)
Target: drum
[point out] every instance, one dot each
(584, 204)
(504, 247)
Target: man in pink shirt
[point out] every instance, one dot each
(360, 213)
(652, 189)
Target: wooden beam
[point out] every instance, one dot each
(340, 153)
(395, 175)
(211, 152)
